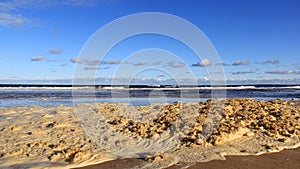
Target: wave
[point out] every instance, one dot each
(148, 87)
(45, 88)
(210, 88)
(287, 87)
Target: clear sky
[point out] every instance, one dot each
(256, 40)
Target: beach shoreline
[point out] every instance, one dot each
(284, 159)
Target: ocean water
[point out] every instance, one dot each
(49, 95)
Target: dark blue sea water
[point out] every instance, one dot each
(11, 96)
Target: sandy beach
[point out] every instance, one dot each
(249, 133)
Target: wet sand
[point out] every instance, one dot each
(287, 159)
(209, 132)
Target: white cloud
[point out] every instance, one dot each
(91, 62)
(10, 11)
(10, 15)
(83, 3)
(50, 3)
(94, 62)
(112, 62)
(222, 64)
(271, 61)
(75, 60)
(55, 51)
(202, 63)
(95, 68)
(140, 64)
(238, 63)
(175, 64)
(281, 72)
(38, 58)
(7, 19)
(91, 68)
(7, 6)
(243, 72)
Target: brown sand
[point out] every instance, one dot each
(286, 159)
(40, 137)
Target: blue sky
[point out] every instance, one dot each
(256, 40)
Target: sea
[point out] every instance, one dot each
(12, 95)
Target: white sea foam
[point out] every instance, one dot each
(242, 87)
(45, 88)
